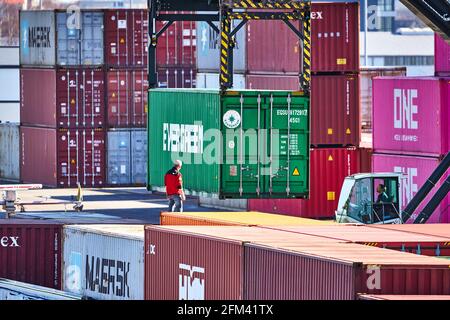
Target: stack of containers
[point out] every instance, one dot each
(335, 101)
(126, 54)
(410, 133)
(62, 111)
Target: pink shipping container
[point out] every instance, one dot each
(63, 98)
(177, 45)
(411, 115)
(126, 38)
(62, 158)
(334, 105)
(441, 56)
(127, 98)
(328, 168)
(31, 252)
(417, 170)
(206, 263)
(177, 77)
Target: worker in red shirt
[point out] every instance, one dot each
(174, 187)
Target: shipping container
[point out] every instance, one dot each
(10, 112)
(269, 46)
(104, 262)
(210, 263)
(438, 230)
(79, 45)
(31, 252)
(9, 155)
(410, 115)
(9, 85)
(252, 123)
(366, 75)
(247, 218)
(62, 158)
(272, 82)
(37, 38)
(329, 167)
(63, 98)
(398, 240)
(9, 56)
(416, 172)
(15, 290)
(126, 38)
(177, 45)
(176, 77)
(127, 98)
(211, 81)
(224, 204)
(127, 157)
(373, 297)
(441, 56)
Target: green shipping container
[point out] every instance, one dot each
(233, 144)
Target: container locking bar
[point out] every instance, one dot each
(271, 146)
(241, 147)
(288, 151)
(258, 143)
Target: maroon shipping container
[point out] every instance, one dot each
(31, 252)
(63, 98)
(328, 169)
(176, 45)
(272, 82)
(126, 38)
(177, 77)
(62, 158)
(127, 98)
(441, 57)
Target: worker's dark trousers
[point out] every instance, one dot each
(175, 203)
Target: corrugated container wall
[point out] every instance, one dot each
(63, 158)
(10, 56)
(9, 84)
(365, 84)
(80, 46)
(9, 155)
(127, 157)
(127, 98)
(64, 98)
(441, 56)
(31, 252)
(37, 38)
(184, 120)
(411, 115)
(10, 112)
(176, 77)
(126, 38)
(416, 170)
(102, 264)
(177, 45)
(183, 267)
(272, 47)
(332, 163)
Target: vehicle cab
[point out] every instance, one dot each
(370, 198)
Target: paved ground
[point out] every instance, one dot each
(115, 205)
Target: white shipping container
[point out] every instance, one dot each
(104, 262)
(9, 56)
(9, 154)
(211, 81)
(10, 112)
(15, 290)
(9, 85)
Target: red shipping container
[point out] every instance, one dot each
(411, 115)
(127, 98)
(437, 230)
(177, 45)
(126, 38)
(62, 158)
(441, 57)
(31, 252)
(272, 82)
(328, 169)
(63, 98)
(177, 77)
(417, 170)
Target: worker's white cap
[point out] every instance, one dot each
(178, 163)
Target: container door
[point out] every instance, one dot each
(288, 144)
(119, 169)
(139, 157)
(92, 38)
(242, 117)
(68, 42)
(68, 158)
(93, 157)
